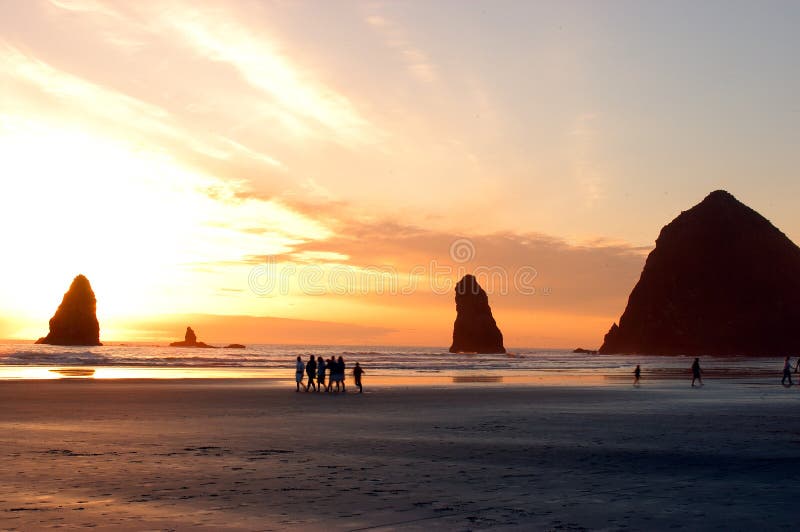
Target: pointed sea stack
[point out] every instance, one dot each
(75, 321)
(190, 337)
(722, 280)
(475, 330)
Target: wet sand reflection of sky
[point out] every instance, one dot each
(73, 372)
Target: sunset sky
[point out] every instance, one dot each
(265, 170)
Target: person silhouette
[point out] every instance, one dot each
(787, 371)
(298, 376)
(311, 371)
(331, 373)
(342, 369)
(358, 371)
(320, 374)
(697, 373)
(637, 374)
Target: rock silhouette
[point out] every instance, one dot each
(75, 321)
(190, 337)
(722, 280)
(190, 340)
(474, 330)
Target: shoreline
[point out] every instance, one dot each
(282, 377)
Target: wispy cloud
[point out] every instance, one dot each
(86, 6)
(302, 103)
(83, 100)
(415, 59)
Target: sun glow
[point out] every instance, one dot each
(158, 229)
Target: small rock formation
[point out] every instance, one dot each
(190, 337)
(475, 330)
(190, 340)
(583, 351)
(722, 280)
(235, 346)
(75, 321)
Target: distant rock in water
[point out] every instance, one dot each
(583, 351)
(75, 321)
(475, 330)
(190, 340)
(722, 280)
(235, 346)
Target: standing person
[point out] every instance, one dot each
(697, 373)
(341, 374)
(337, 373)
(797, 367)
(331, 374)
(311, 371)
(787, 371)
(637, 374)
(358, 372)
(298, 375)
(320, 374)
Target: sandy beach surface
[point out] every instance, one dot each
(250, 455)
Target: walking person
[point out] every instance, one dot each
(311, 371)
(298, 376)
(637, 374)
(341, 374)
(357, 373)
(787, 371)
(697, 373)
(320, 374)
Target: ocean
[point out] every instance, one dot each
(275, 361)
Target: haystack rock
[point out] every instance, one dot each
(722, 280)
(190, 340)
(475, 330)
(75, 321)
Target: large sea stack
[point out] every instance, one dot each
(475, 330)
(75, 321)
(722, 280)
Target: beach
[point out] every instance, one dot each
(249, 454)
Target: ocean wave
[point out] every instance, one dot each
(377, 360)
(35, 358)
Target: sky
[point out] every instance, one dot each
(324, 172)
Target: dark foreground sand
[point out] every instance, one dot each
(223, 455)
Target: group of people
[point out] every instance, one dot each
(315, 370)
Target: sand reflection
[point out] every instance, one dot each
(477, 378)
(74, 372)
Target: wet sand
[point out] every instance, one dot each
(245, 455)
